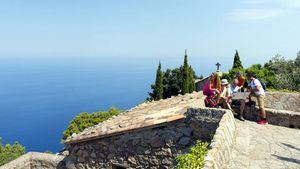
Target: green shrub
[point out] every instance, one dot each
(194, 159)
(10, 152)
(85, 120)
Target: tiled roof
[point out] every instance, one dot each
(145, 115)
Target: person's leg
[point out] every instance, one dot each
(242, 108)
(262, 112)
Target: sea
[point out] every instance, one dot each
(39, 96)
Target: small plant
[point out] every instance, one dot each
(194, 159)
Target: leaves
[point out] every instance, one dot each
(195, 159)
(85, 120)
(10, 152)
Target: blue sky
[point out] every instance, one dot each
(133, 28)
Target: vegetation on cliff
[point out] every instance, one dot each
(194, 159)
(10, 152)
(173, 81)
(85, 120)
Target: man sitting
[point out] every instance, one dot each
(235, 88)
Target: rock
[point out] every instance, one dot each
(80, 159)
(184, 141)
(167, 161)
(157, 142)
(79, 153)
(187, 132)
(93, 155)
(111, 148)
(65, 153)
(153, 161)
(101, 155)
(85, 154)
(79, 166)
(167, 151)
(74, 135)
(132, 160)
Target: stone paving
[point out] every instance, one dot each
(265, 147)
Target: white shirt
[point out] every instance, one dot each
(235, 88)
(253, 84)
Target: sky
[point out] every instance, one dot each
(258, 29)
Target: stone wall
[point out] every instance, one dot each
(222, 142)
(283, 101)
(33, 160)
(277, 117)
(150, 148)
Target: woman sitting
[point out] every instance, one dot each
(211, 89)
(225, 95)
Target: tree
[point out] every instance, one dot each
(157, 88)
(10, 152)
(185, 75)
(297, 60)
(192, 75)
(237, 64)
(172, 82)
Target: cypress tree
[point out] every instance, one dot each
(186, 76)
(297, 60)
(237, 62)
(157, 88)
(192, 86)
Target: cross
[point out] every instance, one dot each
(218, 66)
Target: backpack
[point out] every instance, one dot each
(262, 84)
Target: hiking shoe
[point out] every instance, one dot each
(241, 118)
(263, 122)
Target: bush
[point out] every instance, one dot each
(85, 120)
(10, 152)
(194, 159)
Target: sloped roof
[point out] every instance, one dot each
(145, 115)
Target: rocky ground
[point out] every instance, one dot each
(265, 147)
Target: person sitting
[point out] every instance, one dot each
(257, 91)
(241, 80)
(237, 102)
(211, 90)
(225, 95)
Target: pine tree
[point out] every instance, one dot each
(237, 64)
(186, 76)
(157, 88)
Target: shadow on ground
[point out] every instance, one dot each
(293, 160)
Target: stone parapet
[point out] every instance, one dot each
(34, 160)
(283, 101)
(222, 142)
(275, 116)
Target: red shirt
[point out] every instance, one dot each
(241, 81)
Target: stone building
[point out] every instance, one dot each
(148, 136)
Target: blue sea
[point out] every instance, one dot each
(40, 96)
